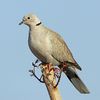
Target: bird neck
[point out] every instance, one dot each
(35, 26)
(38, 23)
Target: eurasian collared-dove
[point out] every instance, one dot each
(49, 47)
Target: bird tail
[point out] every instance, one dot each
(75, 80)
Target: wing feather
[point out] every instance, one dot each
(60, 50)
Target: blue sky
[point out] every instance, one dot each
(78, 22)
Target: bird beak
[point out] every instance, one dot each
(21, 23)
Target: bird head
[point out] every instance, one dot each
(30, 20)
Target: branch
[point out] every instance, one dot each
(50, 81)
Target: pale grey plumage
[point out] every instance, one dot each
(49, 47)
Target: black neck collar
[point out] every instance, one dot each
(38, 23)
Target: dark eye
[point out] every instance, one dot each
(28, 17)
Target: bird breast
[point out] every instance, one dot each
(39, 45)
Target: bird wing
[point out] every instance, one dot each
(60, 50)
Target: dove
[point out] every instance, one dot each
(50, 48)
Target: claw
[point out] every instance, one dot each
(32, 72)
(58, 73)
(36, 61)
(58, 81)
(34, 65)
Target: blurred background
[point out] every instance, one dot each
(77, 21)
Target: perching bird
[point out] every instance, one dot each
(49, 47)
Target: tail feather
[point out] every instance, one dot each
(76, 81)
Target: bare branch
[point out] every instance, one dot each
(50, 82)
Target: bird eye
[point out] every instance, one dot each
(28, 17)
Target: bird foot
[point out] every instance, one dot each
(32, 71)
(33, 74)
(57, 74)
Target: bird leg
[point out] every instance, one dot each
(63, 65)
